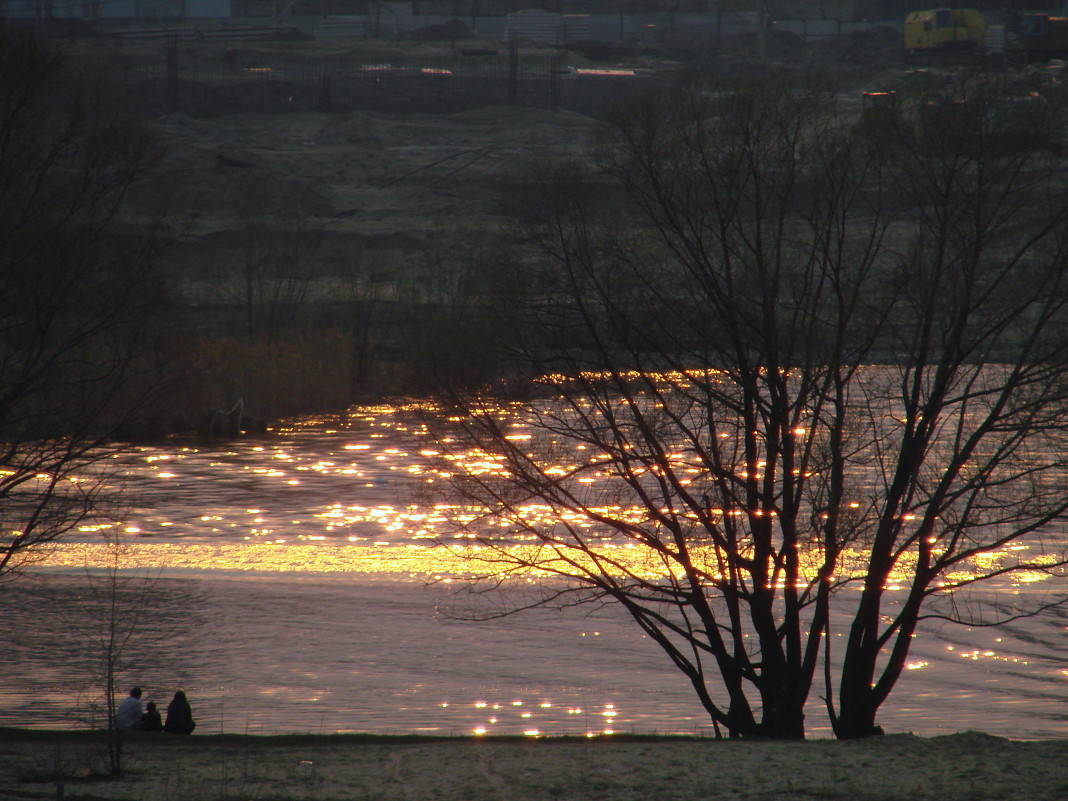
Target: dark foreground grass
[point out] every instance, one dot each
(229, 767)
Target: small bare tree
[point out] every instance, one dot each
(364, 289)
(276, 261)
(791, 382)
(119, 604)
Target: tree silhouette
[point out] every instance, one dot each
(796, 386)
(77, 289)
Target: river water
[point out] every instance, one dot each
(295, 583)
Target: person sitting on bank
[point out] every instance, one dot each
(128, 715)
(179, 716)
(151, 720)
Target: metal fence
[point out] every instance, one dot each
(274, 83)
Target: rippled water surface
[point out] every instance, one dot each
(290, 593)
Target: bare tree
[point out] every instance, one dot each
(791, 382)
(119, 604)
(363, 286)
(276, 262)
(76, 289)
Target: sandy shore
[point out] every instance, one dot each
(968, 767)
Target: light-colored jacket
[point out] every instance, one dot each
(129, 713)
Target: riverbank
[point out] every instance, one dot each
(964, 767)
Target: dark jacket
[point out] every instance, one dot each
(151, 721)
(179, 718)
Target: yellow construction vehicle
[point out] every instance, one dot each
(944, 28)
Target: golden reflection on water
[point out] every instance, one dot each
(324, 531)
(266, 557)
(412, 560)
(975, 655)
(597, 723)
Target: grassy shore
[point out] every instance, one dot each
(968, 767)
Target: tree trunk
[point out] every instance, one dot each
(856, 693)
(856, 715)
(783, 717)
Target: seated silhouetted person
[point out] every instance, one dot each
(179, 716)
(151, 720)
(128, 715)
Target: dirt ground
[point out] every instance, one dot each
(381, 191)
(962, 767)
(364, 191)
